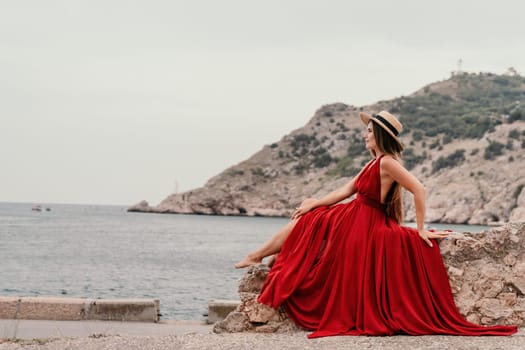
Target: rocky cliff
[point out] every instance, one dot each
(464, 140)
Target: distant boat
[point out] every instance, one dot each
(48, 209)
(36, 207)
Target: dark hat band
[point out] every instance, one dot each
(387, 124)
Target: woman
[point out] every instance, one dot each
(351, 269)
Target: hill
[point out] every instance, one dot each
(464, 139)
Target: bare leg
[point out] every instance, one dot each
(270, 247)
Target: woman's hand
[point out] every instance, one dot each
(427, 235)
(307, 205)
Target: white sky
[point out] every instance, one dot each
(114, 101)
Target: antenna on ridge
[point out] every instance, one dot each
(460, 63)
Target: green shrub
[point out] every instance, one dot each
(501, 80)
(515, 115)
(322, 160)
(417, 135)
(342, 127)
(355, 149)
(434, 144)
(235, 172)
(410, 159)
(257, 172)
(493, 150)
(344, 167)
(514, 134)
(301, 140)
(300, 168)
(449, 161)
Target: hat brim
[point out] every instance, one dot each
(366, 118)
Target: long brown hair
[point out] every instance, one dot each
(388, 145)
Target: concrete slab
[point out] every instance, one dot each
(76, 309)
(124, 310)
(219, 309)
(8, 307)
(51, 308)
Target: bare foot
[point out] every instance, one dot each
(247, 261)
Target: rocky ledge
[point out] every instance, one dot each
(142, 207)
(486, 272)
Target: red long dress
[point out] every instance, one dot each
(348, 269)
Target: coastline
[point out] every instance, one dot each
(144, 208)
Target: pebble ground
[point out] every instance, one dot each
(269, 342)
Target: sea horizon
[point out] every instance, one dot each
(476, 227)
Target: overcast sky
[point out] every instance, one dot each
(114, 101)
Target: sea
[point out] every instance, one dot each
(95, 251)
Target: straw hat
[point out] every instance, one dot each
(385, 120)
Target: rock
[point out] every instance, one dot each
(486, 273)
(253, 279)
(259, 313)
(489, 288)
(251, 315)
(141, 207)
(518, 214)
(235, 322)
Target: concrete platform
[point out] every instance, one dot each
(219, 309)
(79, 309)
(29, 318)
(43, 329)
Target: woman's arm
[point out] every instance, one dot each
(403, 177)
(399, 174)
(336, 196)
(333, 197)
